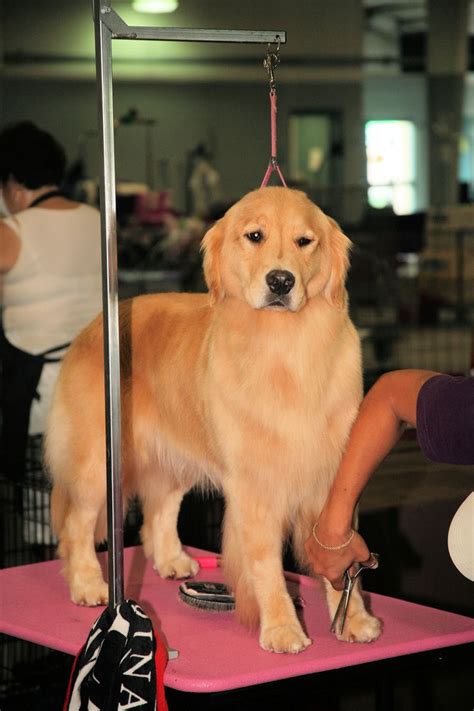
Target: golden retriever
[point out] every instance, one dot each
(252, 387)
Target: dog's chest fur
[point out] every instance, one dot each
(250, 386)
(269, 386)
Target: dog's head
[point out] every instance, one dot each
(275, 249)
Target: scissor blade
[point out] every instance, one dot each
(341, 611)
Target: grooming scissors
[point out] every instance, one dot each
(349, 582)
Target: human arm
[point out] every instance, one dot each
(9, 247)
(383, 415)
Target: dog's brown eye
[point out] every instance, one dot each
(303, 241)
(256, 236)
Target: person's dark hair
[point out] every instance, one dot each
(32, 156)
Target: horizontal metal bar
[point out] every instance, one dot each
(120, 30)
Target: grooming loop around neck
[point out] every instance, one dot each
(270, 63)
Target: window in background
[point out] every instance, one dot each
(310, 142)
(315, 148)
(466, 160)
(390, 147)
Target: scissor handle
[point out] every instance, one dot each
(373, 562)
(370, 564)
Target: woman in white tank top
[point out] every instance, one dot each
(51, 281)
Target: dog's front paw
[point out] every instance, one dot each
(90, 593)
(183, 566)
(361, 627)
(284, 639)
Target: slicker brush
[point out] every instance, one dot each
(214, 597)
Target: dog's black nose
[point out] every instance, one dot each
(280, 281)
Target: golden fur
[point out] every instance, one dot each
(256, 399)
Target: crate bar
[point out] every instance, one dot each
(109, 26)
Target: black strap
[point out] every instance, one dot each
(53, 350)
(46, 196)
(43, 356)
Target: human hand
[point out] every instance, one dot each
(332, 564)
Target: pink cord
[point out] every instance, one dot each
(273, 121)
(208, 561)
(273, 164)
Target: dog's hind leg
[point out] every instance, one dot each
(76, 543)
(161, 503)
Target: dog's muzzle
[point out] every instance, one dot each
(280, 282)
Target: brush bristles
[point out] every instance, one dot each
(206, 604)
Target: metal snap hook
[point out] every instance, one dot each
(271, 61)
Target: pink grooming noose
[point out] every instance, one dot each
(270, 63)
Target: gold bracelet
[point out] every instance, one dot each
(332, 548)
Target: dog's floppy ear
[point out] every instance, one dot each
(338, 246)
(211, 245)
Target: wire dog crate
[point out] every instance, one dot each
(27, 537)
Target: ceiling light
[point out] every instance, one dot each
(155, 5)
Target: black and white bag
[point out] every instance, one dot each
(121, 666)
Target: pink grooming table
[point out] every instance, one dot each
(215, 653)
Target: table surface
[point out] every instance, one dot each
(215, 652)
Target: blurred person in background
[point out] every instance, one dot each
(50, 281)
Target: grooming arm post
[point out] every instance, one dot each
(109, 25)
(103, 40)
